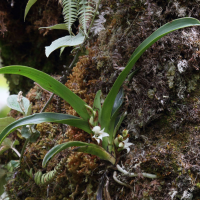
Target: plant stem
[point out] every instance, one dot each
(51, 97)
(23, 149)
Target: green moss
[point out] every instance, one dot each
(198, 185)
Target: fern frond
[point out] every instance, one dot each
(70, 11)
(45, 179)
(85, 13)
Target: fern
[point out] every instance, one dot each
(45, 179)
(73, 9)
(70, 12)
(85, 13)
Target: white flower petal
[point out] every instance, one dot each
(105, 134)
(128, 150)
(126, 141)
(100, 137)
(127, 144)
(99, 134)
(96, 129)
(98, 140)
(121, 144)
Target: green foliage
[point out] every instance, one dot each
(64, 42)
(159, 33)
(5, 122)
(3, 112)
(83, 147)
(13, 103)
(3, 173)
(57, 26)
(50, 84)
(72, 10)
(109, 121)
(6, 173)
(85, 13)
(46, 117)
(28, 6)
(8, 144)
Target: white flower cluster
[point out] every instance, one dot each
(99, 134)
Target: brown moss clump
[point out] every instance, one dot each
(81, 163)
(82, 79)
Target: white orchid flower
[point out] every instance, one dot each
(99, 134)
(125, 144)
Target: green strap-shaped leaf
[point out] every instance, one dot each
(97, 101)
(97, 151)
(115, 113)
(46, 117)
(159, 33)
(118, 101)
(97, 104)
(84, 147)
(56, 26)
(50, 84)
(28, 6)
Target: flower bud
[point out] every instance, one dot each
(116, 142)
(120, 138)
(89, 110)
(121, 145)
(91, 121)
(95, 114)
(125, 133)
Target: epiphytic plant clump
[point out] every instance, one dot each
(101, 121)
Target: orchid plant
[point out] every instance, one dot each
(102, 121)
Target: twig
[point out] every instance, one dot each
(147, 175)
(118, 181)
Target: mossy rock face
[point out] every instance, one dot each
(162, 102)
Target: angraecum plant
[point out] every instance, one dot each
(101, 122)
